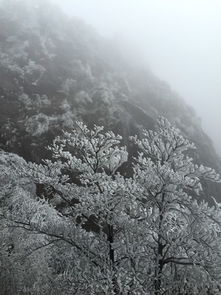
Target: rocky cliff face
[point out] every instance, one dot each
(55, 70)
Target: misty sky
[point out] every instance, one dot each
(179, 39)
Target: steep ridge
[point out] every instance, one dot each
(55, 70)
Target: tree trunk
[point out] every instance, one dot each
(159, 268)
(110, 239)
(160, 247)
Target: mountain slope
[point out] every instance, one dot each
(55, 70)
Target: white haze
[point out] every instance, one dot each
(179, 39)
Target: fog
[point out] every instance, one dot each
(179, 39)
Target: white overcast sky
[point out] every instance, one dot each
(180, 40)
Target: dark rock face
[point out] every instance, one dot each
(54, 71)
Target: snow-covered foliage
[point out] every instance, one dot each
(105, 233)
(184, 231)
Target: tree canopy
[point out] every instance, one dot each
(151, 233)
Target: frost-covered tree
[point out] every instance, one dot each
(111, 234)
(20, 271)
(87, 208)
(183, 230)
